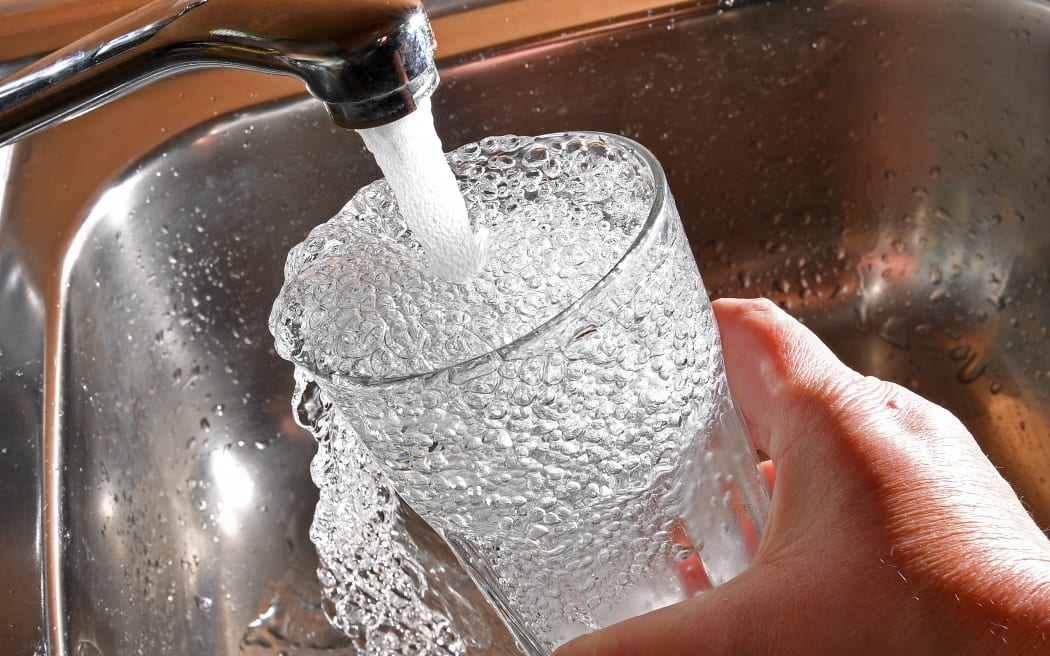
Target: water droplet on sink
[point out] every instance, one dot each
(972, 370)
(298, 606)
(895, 331)
(862, 321)
(205, 424)
(204, 603)
(959, 352)
(87, 648)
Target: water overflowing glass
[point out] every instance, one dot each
(385, 580)
(562, 416)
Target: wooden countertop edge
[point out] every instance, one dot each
(34, 31)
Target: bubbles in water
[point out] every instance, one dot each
(375, 591)
(557, 456)
(87, 648)
(377, 313)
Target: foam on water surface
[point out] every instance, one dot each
(359, 301)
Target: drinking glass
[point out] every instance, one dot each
(595, 467)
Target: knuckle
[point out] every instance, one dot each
(759, 310)
(761, 305)
(884, 406)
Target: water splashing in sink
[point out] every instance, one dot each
(374, 587)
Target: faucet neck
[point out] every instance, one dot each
(369, 61)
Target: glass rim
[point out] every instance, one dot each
(660, 198)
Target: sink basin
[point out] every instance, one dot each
(880, 169)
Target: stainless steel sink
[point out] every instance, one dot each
(880, 168)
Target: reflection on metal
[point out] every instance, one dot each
(813, 156)
(514, 21)
(6, 153)
(370, 62)
(461, 26)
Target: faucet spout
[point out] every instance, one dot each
(369, 61)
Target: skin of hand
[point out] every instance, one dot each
(889, 531)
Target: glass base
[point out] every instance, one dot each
(723, 538)
(481, 571)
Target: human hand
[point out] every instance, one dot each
(889, 531)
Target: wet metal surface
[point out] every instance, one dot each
(879, 168)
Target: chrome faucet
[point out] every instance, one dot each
(369, 61)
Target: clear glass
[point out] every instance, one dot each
(593, 467)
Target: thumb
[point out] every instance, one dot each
(783, 378)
